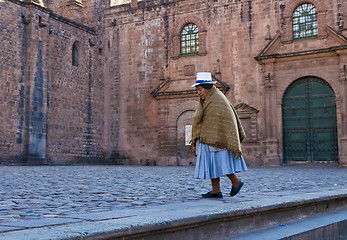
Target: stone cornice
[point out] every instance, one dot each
(246, 106)
(56, 16)
(301, 53)
(274, 43)
(157, 94)
(72, 23)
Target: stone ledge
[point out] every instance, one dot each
(327, 226)
(203, 219)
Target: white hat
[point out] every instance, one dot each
(203, 78)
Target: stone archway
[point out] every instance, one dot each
(184, 154)
(309, 121)
(179, 117)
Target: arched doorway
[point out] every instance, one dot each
(184, 154)
(309, 121)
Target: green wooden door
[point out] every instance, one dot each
(309, 121)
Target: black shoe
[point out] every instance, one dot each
(235, 191)
(212, 195)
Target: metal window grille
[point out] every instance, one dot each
(189, 40)
(305, 22)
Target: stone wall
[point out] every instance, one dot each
(12, 82)
(145, 39)
(52, 109)
(128, 97)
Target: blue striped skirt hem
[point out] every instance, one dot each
(213, 163)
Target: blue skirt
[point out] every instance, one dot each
(213, 162)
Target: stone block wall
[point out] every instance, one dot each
(229, 31)
(76, 97)
(133, 66)
(128, 96)
(12, 82)
(54, 110)
(232, 34)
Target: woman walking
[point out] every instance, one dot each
(217, 134)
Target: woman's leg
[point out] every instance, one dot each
(235, 181)
(215, 192)
(215, 185)
(236, 184)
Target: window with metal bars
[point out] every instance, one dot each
(305, 22)
(189, 40)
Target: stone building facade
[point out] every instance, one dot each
(51, 105)
(110, 81)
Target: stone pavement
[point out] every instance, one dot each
(35, 196)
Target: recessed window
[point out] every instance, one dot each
(305, 22)
(189, 40)
(74, 55)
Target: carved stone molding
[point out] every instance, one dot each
(77, 3)
(248, 117)
(38, 2)
(269, 81)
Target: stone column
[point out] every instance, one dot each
(270, 115)
(35, 84)
(108, 76)
(342, 125)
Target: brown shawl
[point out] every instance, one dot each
(216, 123)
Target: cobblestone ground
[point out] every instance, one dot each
(36, 192)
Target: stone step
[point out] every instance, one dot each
(332, 226)
(199, 220)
